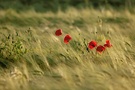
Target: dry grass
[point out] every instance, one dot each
(49, 64)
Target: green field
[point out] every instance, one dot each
(32, 57)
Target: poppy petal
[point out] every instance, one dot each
(100, 48)
(67, 38)
(92, 44)
(105, 45)
(107, 41)
(108, 44)
(58, 32)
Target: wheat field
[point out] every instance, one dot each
(32, 57)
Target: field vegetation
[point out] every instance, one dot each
(32, 57)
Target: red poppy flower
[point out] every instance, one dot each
(58, 32)
(67, 39)
(108, 44)
(92, 44)
(100, 48)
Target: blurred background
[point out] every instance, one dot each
(55, 5)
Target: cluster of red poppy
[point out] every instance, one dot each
(67, 38)
(92, 44)
(99, 48)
